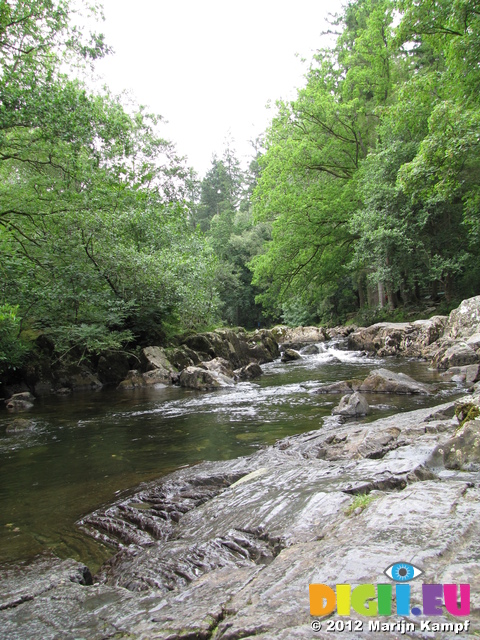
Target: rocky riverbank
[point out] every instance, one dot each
(211, 360)
(448, 342)
(228, 549)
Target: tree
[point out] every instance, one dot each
(94, 225)
(315, 147)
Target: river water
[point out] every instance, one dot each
(88, 449)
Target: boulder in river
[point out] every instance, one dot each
(342, 386)
(155, 358)
(298, 337)
(250, 372)
(182, 357)
(113, 367)
(385, 381)
(310, 350)
(398, 338)
(290, 354)
(457, 355)
(351, 406)
(219, 365)
(79, 378)
(134, 380)
(202, 379)
(20, 401)
(19, 425)
(378, 381)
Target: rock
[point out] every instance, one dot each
(200, 343)
(464, 321)
(298, 337)
(220, 365)
(463, 450)
(474, 341)
(20, 424)
(159, 377)
(385, 381)
(20, 401)
(44, 387)
(238, 347)
(78, 377)
(113, 367)
(134, 380)
(343, 386)
(290, 354)
(155, 358)
(340, 331)
(63, 391)
(182, 357)
(378, 381)
(472, 374)
(455, 356)
(310, 350)
(398, 338)
(202, 379)
(250, 372)
(469, 374)
(351, 406)
(263, 347)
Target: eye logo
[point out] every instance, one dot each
(402, 572)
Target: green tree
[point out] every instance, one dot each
(315, 147)
(96, 245)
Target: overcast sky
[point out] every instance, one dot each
(209, 67)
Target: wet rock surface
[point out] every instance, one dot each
(351, 406)
(20, 401)
(385, 381)
(250, 372)
(200, 378)
(446, 341)
(20, 425)
(290, 354)
(298, 337)
(378, 381)
(227, 549)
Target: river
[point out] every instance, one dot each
(88, 449)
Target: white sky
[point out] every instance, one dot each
(209, 67)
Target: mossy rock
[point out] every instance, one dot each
(466, 412)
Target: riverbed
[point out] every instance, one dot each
(87, 449)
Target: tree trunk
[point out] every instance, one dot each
(361, 293)
(391, 298)
(381, 295)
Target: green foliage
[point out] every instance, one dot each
(370, 177)
(12, 349)
(225, 215)
(97, 247)
(466, 412)
(360, 501)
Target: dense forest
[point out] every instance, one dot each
(361, 199)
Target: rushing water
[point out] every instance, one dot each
(87, 449)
